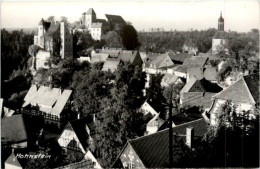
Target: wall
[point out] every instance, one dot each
(66, 41)
(42, 59)
(90, 156)
(217, 44)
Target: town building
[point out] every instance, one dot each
(243, 94)
(54, 104)
(152, 151)
(78, 137)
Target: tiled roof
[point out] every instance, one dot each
(181, 68)
(188, 85)
(197, 72)
(153, 150)
(115, 19)
(13, 129)
(53, 28)
(169, 79)
(96, 25)
(195, 61)
(91, 11)
(182, 118)
(210, 73)
(50, 100)
(79, 127)
(200, 99)
(111, 52)
(160, 61)
(202, 85)
(110, 64)
(219, 35)
(179, 57)
(245, 90)
(127, 56)
(98, 57)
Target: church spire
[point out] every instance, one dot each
(221, 22)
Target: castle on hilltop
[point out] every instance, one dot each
(98, 27)
(55, 38)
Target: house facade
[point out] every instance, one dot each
(54, 104)
(243, 94)
(78, 136)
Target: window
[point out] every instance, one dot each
(130, 165)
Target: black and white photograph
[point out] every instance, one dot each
(129, 84)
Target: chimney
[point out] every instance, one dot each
(94, 117)
(189, 136)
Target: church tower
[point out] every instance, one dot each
(221, 23)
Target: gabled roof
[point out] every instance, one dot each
(96, 25)
(197, 72)
(169, 79)
(13, 160)
(110, 64)
(203, 85)
(195, 61)
(209, 73)
(179, 57)
(198, 99)
(161, 60)
(182, 118)
(50, 100)
(153, 150)
(245, 90)
(91, 12)
(41, 22)
(54, 26)
(79, 126)
(98, 57)
(115, 18)
(182, 69)
(13, 129)
(127, 56)
(111, 52)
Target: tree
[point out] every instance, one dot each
(130, 37)
(112, 39)
(51, 19)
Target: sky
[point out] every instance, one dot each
(239, 15)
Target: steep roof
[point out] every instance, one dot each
(182, 118)
(96, 25)
(245, 90)
(203, 85)
(110, 64)
(91, 11)
(219, 35)
(54, 26)
(210, 73)
(127, 56)
(115, 18)
(79, 127)
(179, 57)
(181, 68)
(199, 99)
(195, 61)
(98, 57)
(13, 129)
(153, 150)
(53, 99)
(168, 79)
(197, 72)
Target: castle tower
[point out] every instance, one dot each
(90, 18)
(41, 33)
(66, 49)
(221, 23)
